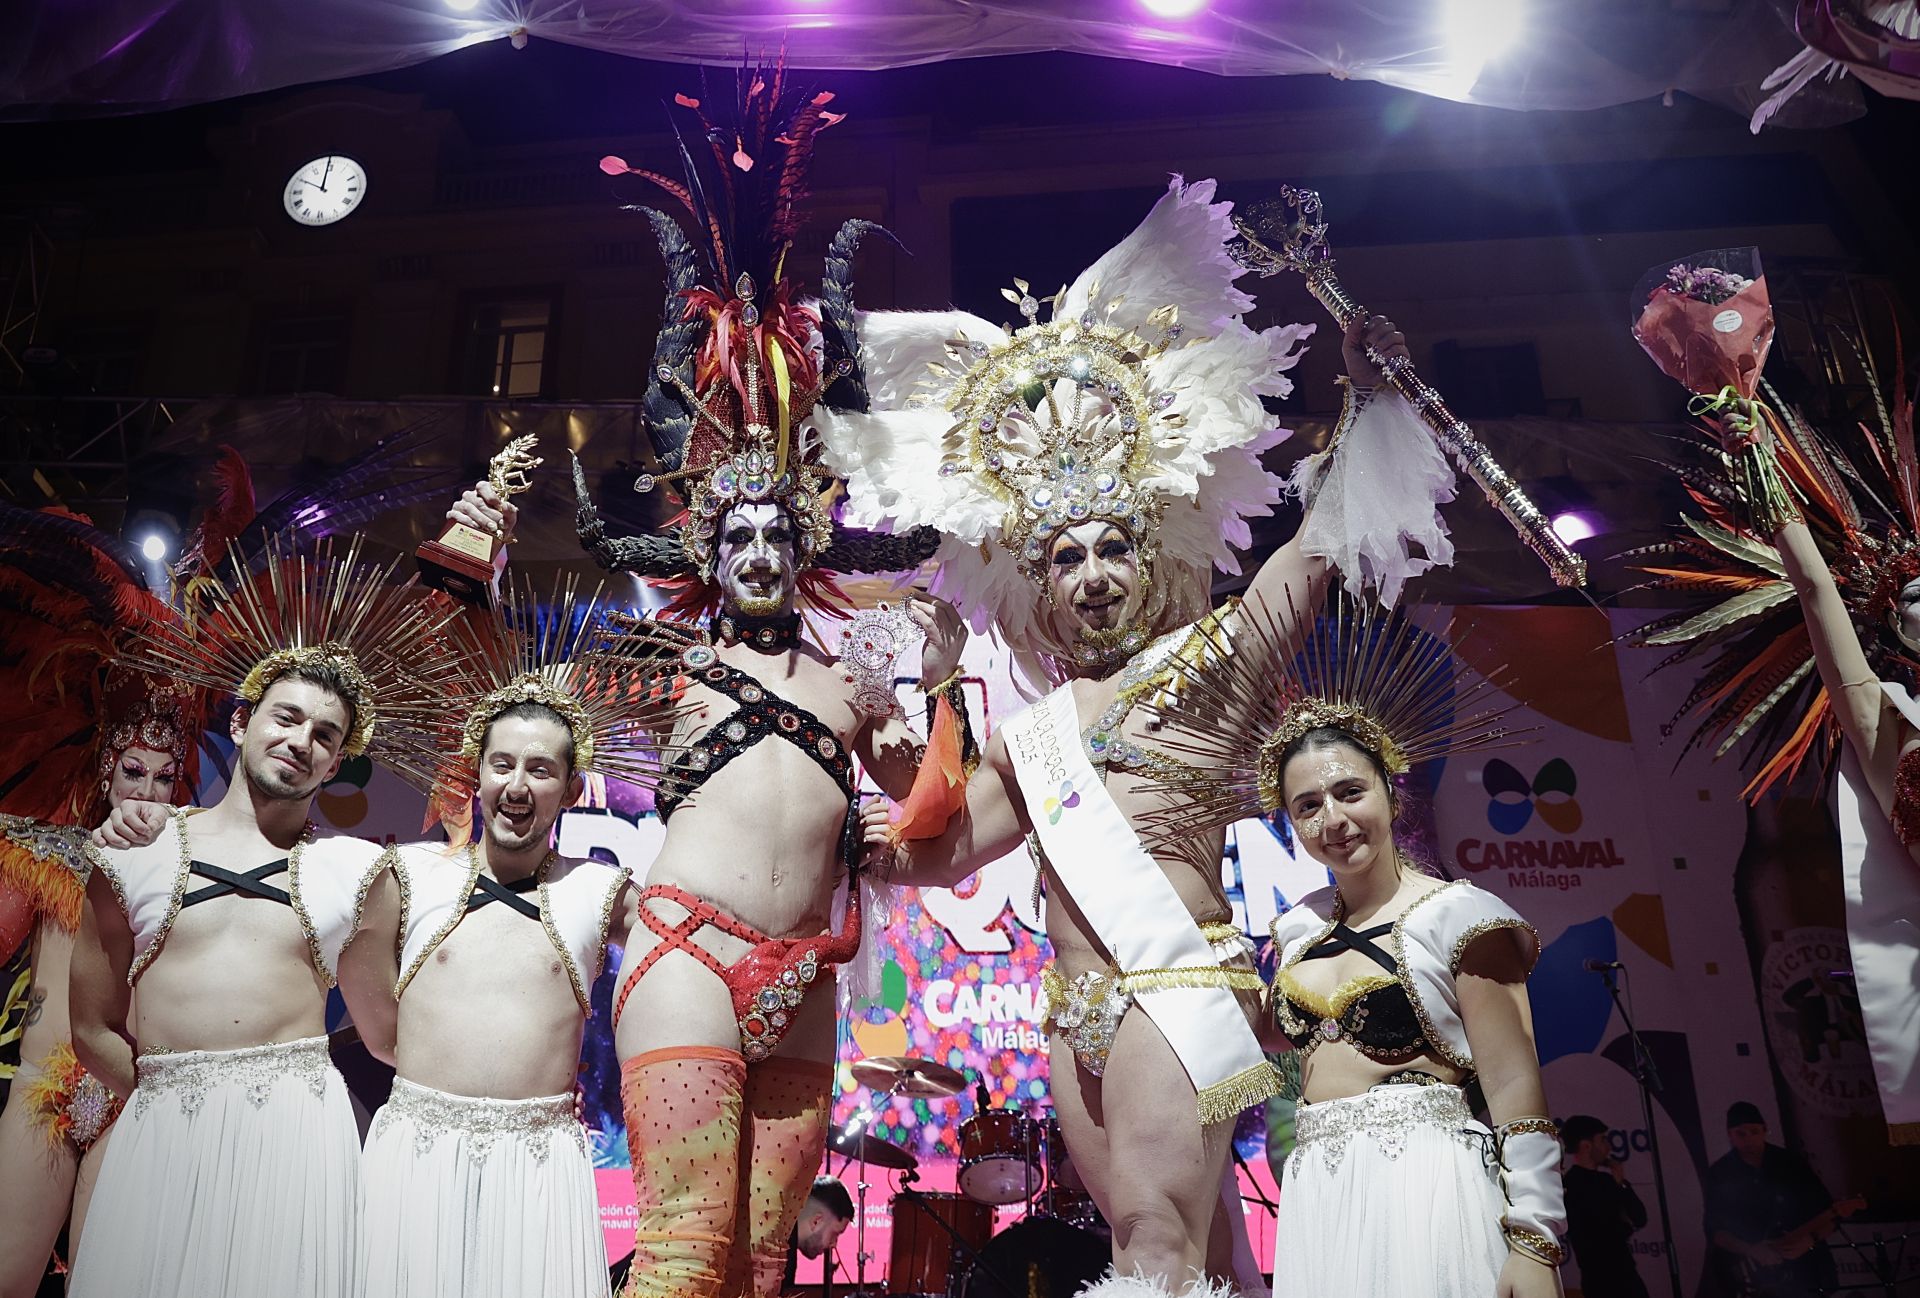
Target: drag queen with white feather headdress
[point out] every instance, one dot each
(1088, 473)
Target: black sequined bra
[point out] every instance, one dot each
(762, 714)
(1371, 1012)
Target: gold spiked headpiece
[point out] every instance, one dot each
(615, 691)
(309, 607)
(1396, 690)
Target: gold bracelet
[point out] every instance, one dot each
(1521, 1126)
(943, 685)
(1541, 1248)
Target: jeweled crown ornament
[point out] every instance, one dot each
(464, 561)
(1060, 421)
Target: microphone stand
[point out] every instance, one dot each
(1648, 1078)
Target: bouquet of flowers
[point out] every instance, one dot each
(1707, 322)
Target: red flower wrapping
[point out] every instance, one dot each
(1709, 346)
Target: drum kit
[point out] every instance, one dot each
(944, 1245)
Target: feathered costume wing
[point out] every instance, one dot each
(1747, 637)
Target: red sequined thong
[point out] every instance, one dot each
(767, 983)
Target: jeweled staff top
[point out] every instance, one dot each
(1290, 234)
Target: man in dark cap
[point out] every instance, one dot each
(1766, 1215)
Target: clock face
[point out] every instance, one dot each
(325, 190)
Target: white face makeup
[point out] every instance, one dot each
(755, 560)
(1094, 578)
(526, 781)
(1340, 807)
(1905, 617)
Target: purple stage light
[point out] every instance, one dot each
(1574, 528)
(1174, 8)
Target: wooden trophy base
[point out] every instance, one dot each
(465, 563)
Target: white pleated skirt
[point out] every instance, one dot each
(231, 1174)
(1391, 1192)
(479, 1198)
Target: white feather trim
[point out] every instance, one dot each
(1379, 500)
(1140, 1285)
(1177, 257)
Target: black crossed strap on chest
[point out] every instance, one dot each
(491, 889)
(226, 883)
(762, 714)
(1346, 939)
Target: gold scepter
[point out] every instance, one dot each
(1290, 234)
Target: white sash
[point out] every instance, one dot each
(1138, 916)
(1883, 931)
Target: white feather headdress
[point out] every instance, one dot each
(1139, 400)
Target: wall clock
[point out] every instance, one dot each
(324, 190)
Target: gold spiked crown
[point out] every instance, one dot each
(1258, 685)
(305, 605)
(616, 692)
(1060, 422)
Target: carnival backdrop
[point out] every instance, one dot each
(1612, 841)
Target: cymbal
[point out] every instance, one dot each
(877, 1152)
(905, 1075)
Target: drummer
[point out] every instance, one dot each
(826, 1216)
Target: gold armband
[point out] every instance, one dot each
(1541, 1248)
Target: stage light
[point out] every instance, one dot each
(1174, 8)
(463, 6)
(1573, 528)
(1483, 30)
(153, 547)
(1479, 32)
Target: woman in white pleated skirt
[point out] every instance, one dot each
(1397, 989)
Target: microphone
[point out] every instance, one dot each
(1600, 966)
(982, 1099)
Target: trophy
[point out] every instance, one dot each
(1291, 234)
(466, 562)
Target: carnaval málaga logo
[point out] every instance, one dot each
(1514, 804)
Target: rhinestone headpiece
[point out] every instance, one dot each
(750, 447)
(145, 712)
(1060, 421)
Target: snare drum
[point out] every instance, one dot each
(924, 1261)
(999, 1156)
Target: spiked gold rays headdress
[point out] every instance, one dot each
(311, 606)
(616, 692)
(1369, 672)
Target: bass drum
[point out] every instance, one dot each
(1040, 1257)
